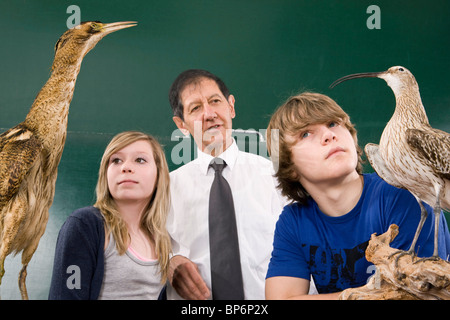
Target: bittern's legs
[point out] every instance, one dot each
(13, 218)
(22, 285)
(3, 254)
(2, 267)
(2, 270)
(5, 246)
(27, 254)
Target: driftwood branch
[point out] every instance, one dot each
(408, 279)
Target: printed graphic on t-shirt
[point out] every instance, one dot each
(334, 270)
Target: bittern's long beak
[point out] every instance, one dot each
(357, 75)
(114, 26)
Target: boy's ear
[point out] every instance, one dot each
(294, 175)
(180, 125)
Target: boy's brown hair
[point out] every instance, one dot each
(290, 119)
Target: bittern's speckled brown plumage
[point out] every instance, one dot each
(411, 154)
(30, 152)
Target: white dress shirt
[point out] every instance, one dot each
(257, 205)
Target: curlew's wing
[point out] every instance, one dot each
(19, 148)
(378, 164)
(433, 145)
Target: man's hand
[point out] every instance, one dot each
(186, 280)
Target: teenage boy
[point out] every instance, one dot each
(335, 207)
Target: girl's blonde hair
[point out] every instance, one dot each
(153, 220)
(289, 119)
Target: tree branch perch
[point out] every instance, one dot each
(409, 279)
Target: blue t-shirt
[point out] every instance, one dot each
(332, 249)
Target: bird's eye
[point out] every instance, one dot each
(95, 26)
(401, 69)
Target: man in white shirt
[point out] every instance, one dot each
(204, 108)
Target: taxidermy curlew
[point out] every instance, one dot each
(30, 152)
(411, 154)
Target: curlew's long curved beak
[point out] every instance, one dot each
(355, 76)
(115, 26)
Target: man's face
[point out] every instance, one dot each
(207, 116)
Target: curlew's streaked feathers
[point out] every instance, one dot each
(411, 154)
(434, 146)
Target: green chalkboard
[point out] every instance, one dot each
(264, 50)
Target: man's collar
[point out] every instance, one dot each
(229, 156)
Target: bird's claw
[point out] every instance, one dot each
(432, 258)
(402, 253)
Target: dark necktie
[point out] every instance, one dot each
(226, 274)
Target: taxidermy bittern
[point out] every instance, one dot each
(31, 151)
(411, 154)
